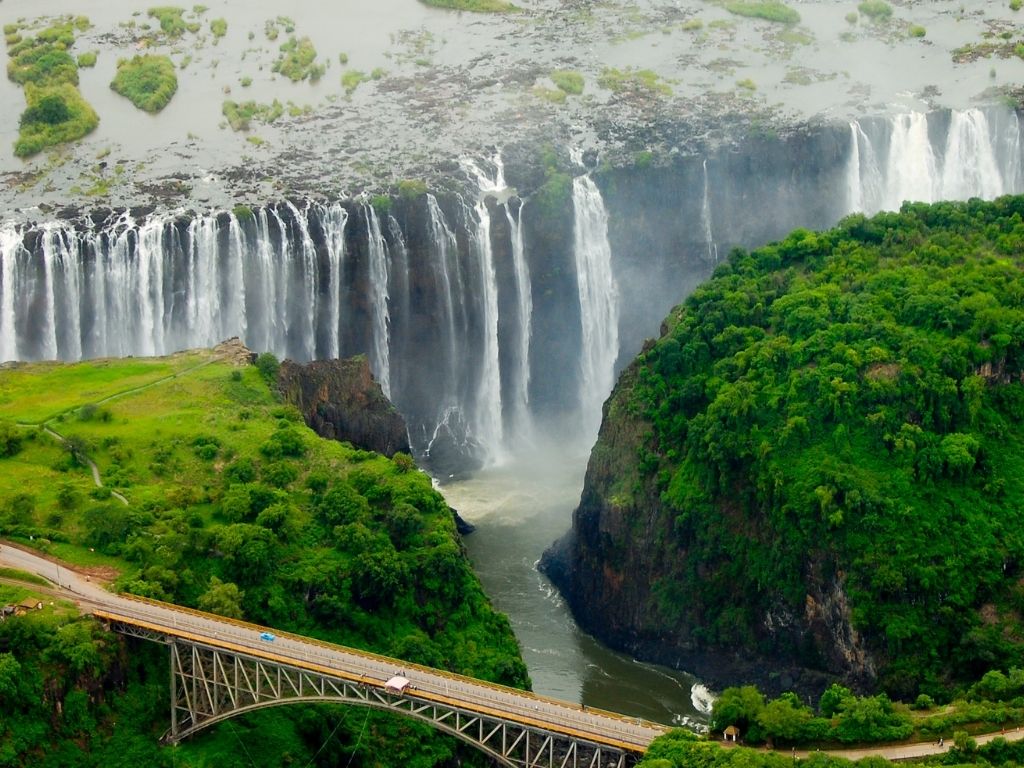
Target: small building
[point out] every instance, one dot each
(732, 733)
(28, 604)
(5, 611)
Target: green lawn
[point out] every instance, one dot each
(36, 392)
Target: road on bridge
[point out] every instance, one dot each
(472, 695)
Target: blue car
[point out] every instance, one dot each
(269, 637)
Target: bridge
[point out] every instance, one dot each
(221, 667)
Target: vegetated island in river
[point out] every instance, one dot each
(216, 495)
(817, 471)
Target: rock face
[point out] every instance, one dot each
(340, 400)
(616, 572)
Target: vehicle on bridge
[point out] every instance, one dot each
(268, 636)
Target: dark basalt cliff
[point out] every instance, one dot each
(340, 400)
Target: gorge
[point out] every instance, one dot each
(486, 313)
(496, 310)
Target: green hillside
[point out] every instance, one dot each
(233, 506)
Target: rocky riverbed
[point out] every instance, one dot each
(407, 89)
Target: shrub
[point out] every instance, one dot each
(170, 18)
(241, 471)
(10, 440)
(219, 27)
(55, 115)
(268, 366)
(240, 115)
(87, 59)
(280, 474)
(296, 60)
(351, 79)
(149, 82)
(412, 188)
(569, 82)
(769, 10)
(878, 10)
(41, 63)
(381, 204)
(633, 80)
(916, 30)
(474, 6)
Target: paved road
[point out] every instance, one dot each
(473, 695)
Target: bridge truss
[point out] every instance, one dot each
(210, 684)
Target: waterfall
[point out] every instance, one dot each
(10, 251)
(307, 264)
(51, 251)
(380, 360)
(705, 218)
(969, 166)
(520, 388)
(445, 264)
(864, 180)
(599, 314)
(440, 295)
(978, 155)
(520, 384)
(400, 293)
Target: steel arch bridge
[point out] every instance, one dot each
(210, 683)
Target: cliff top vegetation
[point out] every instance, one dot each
(844, 409)
(217, 496)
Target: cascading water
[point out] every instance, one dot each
(334, 220)
(439, 294)
(520, 389)
(380, 360)
(11, 249)
(307, 263)
(899, 159)
(446, 264)
(705, 217)
(599, 311)
(488, 409)
(969, 166)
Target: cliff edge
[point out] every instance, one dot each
(340, 400)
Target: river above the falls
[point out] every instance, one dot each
(519, 508)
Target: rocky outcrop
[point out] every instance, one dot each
(340, 400)
(618, 565)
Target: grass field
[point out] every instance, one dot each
(36, 392)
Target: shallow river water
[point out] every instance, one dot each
(519, 509)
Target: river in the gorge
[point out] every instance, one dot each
(519, 508)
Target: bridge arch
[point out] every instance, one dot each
(451, 730)
(211, 684)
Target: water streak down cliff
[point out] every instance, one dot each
(472, 308)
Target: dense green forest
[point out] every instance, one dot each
(232, 505)
(842, 412)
